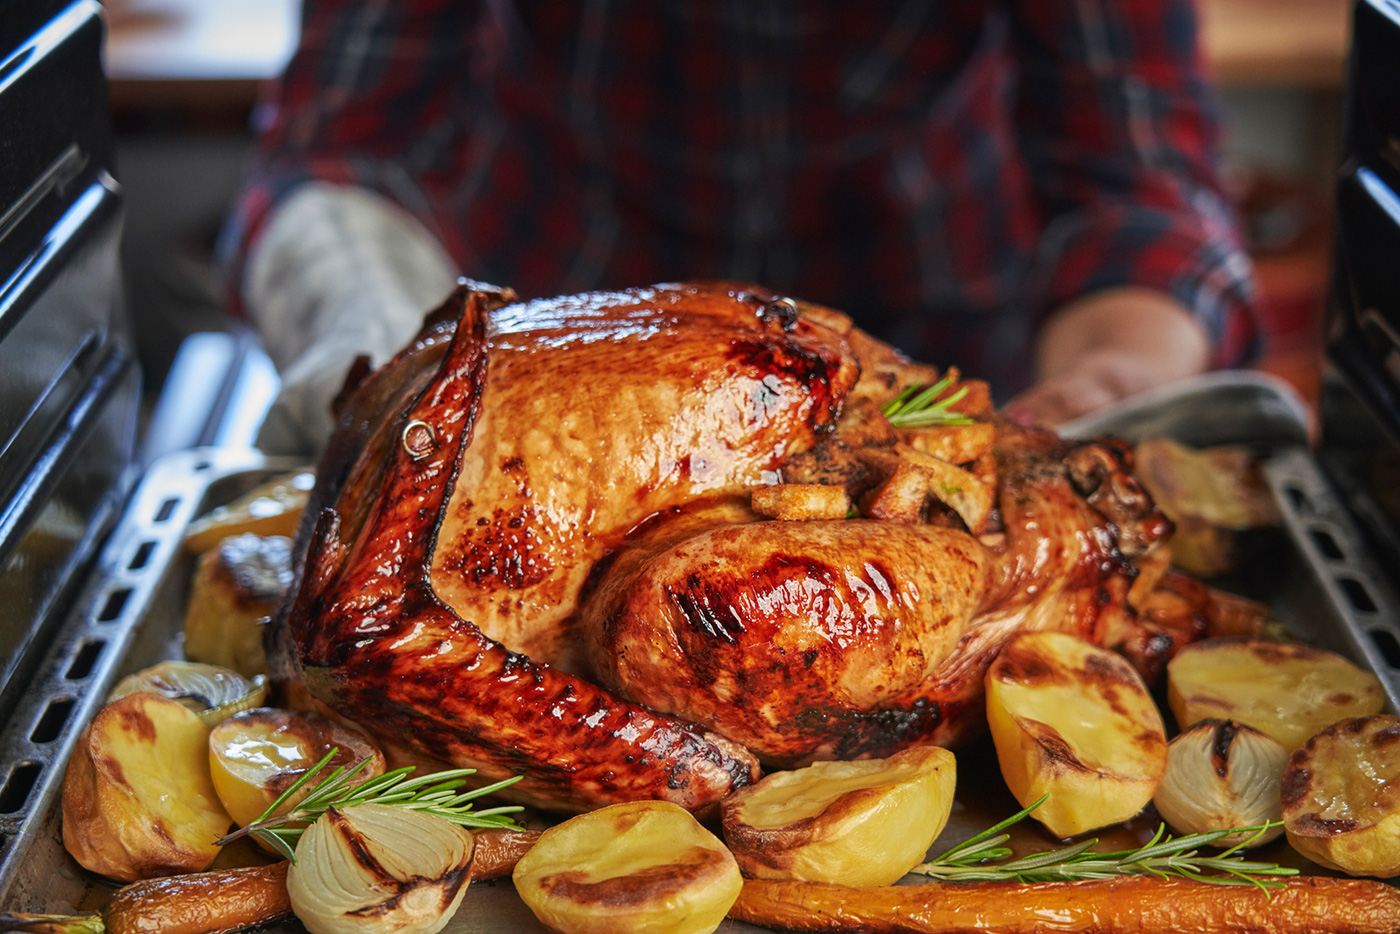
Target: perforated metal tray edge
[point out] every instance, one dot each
(1366, 607)
(85, 658)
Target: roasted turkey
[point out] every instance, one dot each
(539, 549)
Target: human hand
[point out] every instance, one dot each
(1100, 379)
(1105, 347)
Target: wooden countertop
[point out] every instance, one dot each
(217, 51)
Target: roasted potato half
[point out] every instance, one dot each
(1210, 494)
(271, 508)
(256, 755)
(138, 801)
(1341, 797)
(237, 585)
(858, 823)
(1074, 722)
(643, 866)
(1283, 689)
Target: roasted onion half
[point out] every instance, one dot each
(379, 869)
(1220, 775)
(213, 692)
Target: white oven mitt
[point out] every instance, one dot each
(338, 271)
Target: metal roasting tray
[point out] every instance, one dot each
(1315, 574)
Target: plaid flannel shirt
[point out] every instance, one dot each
(947, 171)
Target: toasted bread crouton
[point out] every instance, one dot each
(956, 444)
(801, 501)
(901, 497)
(966, 495)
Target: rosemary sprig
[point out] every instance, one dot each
(915, 408)
(435, 794)
(974, 860)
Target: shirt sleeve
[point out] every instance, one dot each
(370, 99)
(1121, 133)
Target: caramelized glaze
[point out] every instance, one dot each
(536, 555)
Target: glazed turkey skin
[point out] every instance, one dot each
(531, 549)
(605, 409)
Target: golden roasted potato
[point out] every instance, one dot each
(256, 755)
(237, 585)
(138, 801)
(801, 501)
(858, 823)
(1341, 797)
(1284, 689)
(1210, 494)
(643, 866)
(271, 508)
(1075, 722)
(211, 691)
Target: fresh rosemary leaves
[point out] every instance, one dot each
(915, 408)
(974, 860)
(436, 794)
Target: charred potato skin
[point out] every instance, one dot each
(1363, 695)
(1367, 844)
(236, 587)
(108, 826)
(1037, 759)
(316, 732)
(781, 852)
(810, 848)
(687, 890)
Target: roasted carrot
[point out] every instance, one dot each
(1126, 905)
(497, 851)
(200, 902)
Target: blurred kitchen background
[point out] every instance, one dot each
(184, 77)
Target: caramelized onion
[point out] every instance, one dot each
(1222, 774)
(379, 869)
(212, 692)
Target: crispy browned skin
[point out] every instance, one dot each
(1129, 905)
(201, 902)
(788, 637)
(606, 408)
(577, 476)
(819, 640)
(375, 643)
